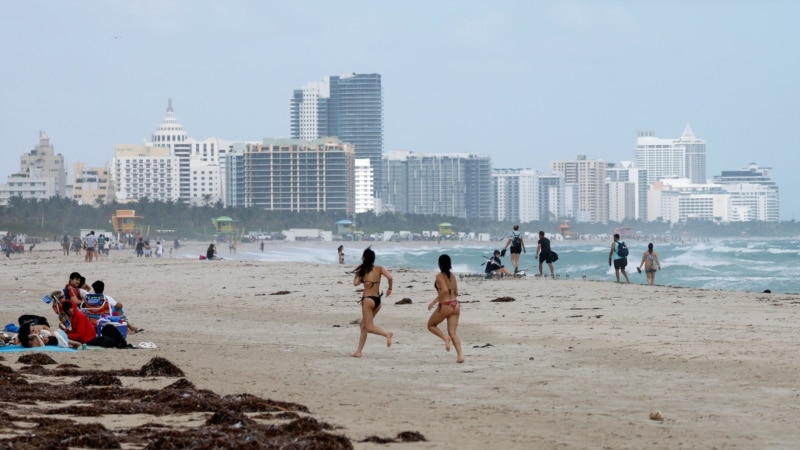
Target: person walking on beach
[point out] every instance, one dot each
(651, 264)
(517, 247)
(262, 246)
(341, 254)
(544, 254)
(370, 275)
(65, 243)
(91, 244)
(620, 261)
(447, 307)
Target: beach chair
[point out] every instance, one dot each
(95, 306)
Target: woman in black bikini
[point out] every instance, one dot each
(369, 275)
(651, 264)
(448, 307)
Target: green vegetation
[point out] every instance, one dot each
(52, 217)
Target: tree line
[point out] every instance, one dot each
(52, 217)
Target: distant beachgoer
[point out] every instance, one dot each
(370, 275)
(447, 308)
(262, 246)
(90, 241)
(495, 266)
(65, 243)
(176, 245)
(620, 262)
(517, 247)
(341, 254)
(651, 263)
(140, 248)
(159, 249)
(211, 252)
(147, 249)
(544, 254)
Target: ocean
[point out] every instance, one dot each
(724, 264)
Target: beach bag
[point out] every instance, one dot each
(553, 256)
(622, 249)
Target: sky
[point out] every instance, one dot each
(524, 82)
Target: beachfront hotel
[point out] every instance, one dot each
(589, 178)
(292, 175)
(92, 185)
(684, 157)
(525, 195)
(142, 171)
(349, 107)
(448, 184)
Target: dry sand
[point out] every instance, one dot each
(568, 364)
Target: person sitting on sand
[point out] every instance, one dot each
(447, 307)
(211, 253)
(370, 275)
(99, 288)
(495, 266)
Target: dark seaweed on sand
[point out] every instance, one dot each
(33, 407)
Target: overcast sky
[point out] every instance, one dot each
(524, 82)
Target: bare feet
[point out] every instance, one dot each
(389, 339)
(460, 359)
(447, 341)
(355, 355)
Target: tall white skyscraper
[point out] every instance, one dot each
(684, 157)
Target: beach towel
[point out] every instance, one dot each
(46, 348)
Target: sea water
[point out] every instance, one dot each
(728, 264)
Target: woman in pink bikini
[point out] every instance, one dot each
(447, 308)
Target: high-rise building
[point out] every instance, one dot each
(684, 157)
(453, 185)
(202, 163)
(92, 185)
(590, 178)
(627, 192)
(349, 107)
(292, 175)
(50, 164)
(364, 178)
(753, 191)
(141, 171)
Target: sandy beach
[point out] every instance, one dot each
(567, 364)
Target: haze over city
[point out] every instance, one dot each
(524, 82)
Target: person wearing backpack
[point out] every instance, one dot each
(517, 247)
(619, 253)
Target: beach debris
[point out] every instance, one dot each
(657, 416)
(160, 367)
(232, 421)
(280, 293)
(404, 436)
(575, 316)
(483, 346)
(405, 301)
(36, 358)
(504, 299)
(355, 322)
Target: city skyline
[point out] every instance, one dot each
(567, 78)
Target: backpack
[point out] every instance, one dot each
(516, 243)
(622, 249)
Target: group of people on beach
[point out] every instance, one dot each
(618, 256)
(86, 316)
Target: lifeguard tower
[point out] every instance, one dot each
(127, 225)
(445, 229)
(227, 228)
(564, 230)
(346, 228)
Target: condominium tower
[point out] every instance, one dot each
(349, 107)
(292, 175)
(684, 157)
(590, 178)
